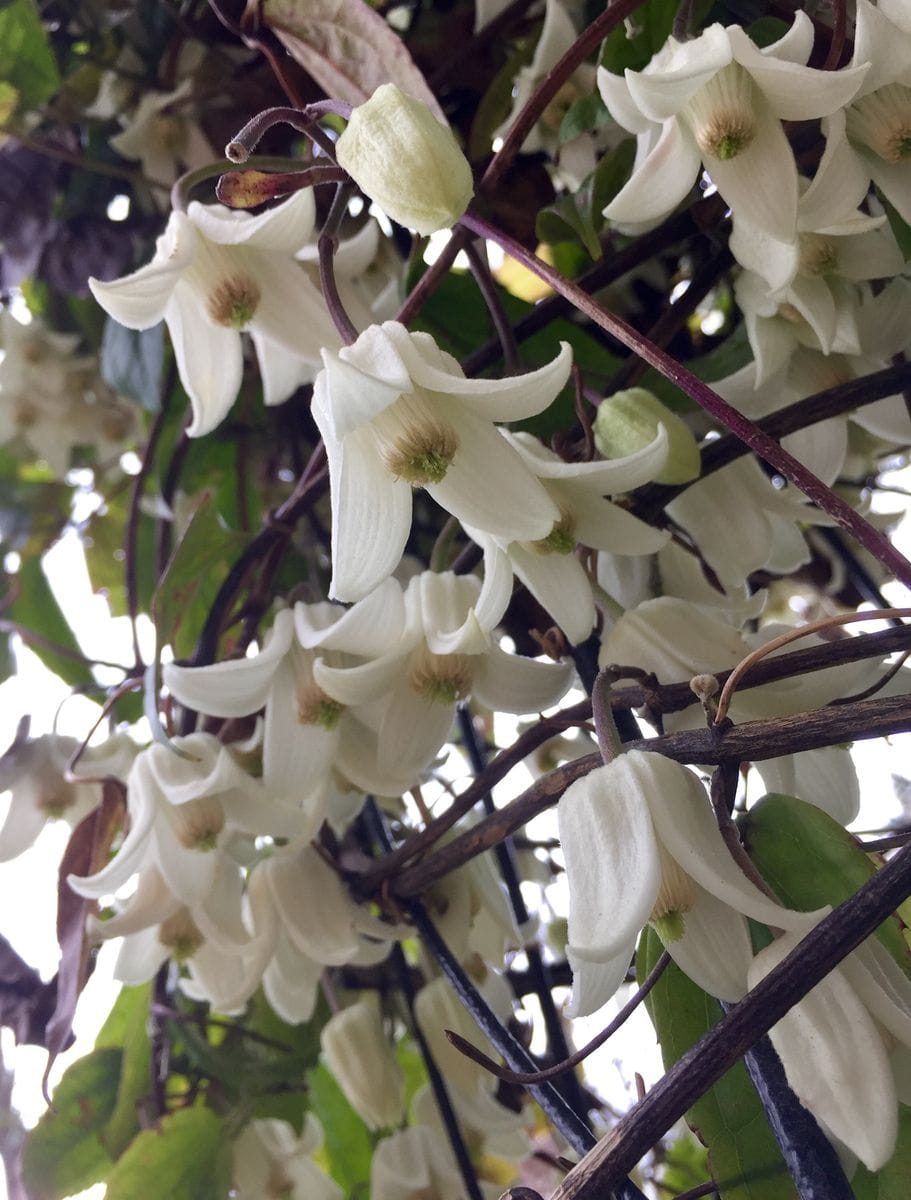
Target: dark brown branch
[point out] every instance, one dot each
(755, 740)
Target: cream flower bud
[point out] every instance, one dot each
(361, 1059)
(397, 152)
(629, 420)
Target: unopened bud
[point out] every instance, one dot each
(402, 157)
(629, 420)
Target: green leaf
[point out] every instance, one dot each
(744, 1158)
(348, 1146)
(192, 577)
(633, 42)
(585, 114)
(64, 1152)
(899, 226)
(131, 362)
(26, 61)
(126, 1027)
(893, 1182)
(35, 607)
(570, 215)
(187, 1158)
(810, 860)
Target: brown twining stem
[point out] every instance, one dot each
(759, 442)
(480, 269)
(839, 32)
(667, 697)
(754, 740)
(784, 639)
(326, 247)
(525, 1078)
(493, 772)
(304, 120)
(432, 277)
(648, 501)
(764, 1005)
(587, 42)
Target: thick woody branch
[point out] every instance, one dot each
(756, 740)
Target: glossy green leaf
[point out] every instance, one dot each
(26, 61)
(348, 1146)
(810, 860)
(36, 609)
(131, 362)
(743, 1155)
(127, 1028)
(585, 114)
(64, 1153)
(187, 1158)
(191, 579)
(901, 230)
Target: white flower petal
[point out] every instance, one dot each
(835, 1061)
(684, 822)
(297, 757)
(281, 371)
(139, 958)
(371, 627)
(291, 310)
(511, 399)
(606, 526)
(661, 181)
(371, 515)
(715, 950)
(489, 486)
(313, 905)
(140, 300)
(612, 859)
(662, 93)
(235, 688)
(595, 982)
(412, 731)
(510, 683)
(760, 182)
(559, 583)
(361, 683)
(794, 92)
(209, 360)
(826, 778)
(615, 93)
(840, 182)
(24, 821)
(797, 44)
(286, 226)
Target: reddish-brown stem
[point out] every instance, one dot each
(750, 434)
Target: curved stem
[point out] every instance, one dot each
(749, 433)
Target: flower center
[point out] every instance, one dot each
(234, 300)
(721, 113)
(561, 539)
(674, 900)
(314, 707)
(55, 805)
(441, 678)
(199, 822)
(882, 121)
(180, 935)
(818, 254)
(416, 444)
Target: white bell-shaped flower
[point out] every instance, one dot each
(835, 1045)
(641, 845)
(364, 1065)
(269, 1159)
(218, 272)
(719, 101)
(396, 412)
(547, 566)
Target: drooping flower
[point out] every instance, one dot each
(364, 1065)
(877, 123)
(445, 655)
(305, 728)
(35, 773)
(396, 412)
(215, 273)
(270, 1160)
(641, 845)
(719, 101)
(547, 566)
(836, 1044)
